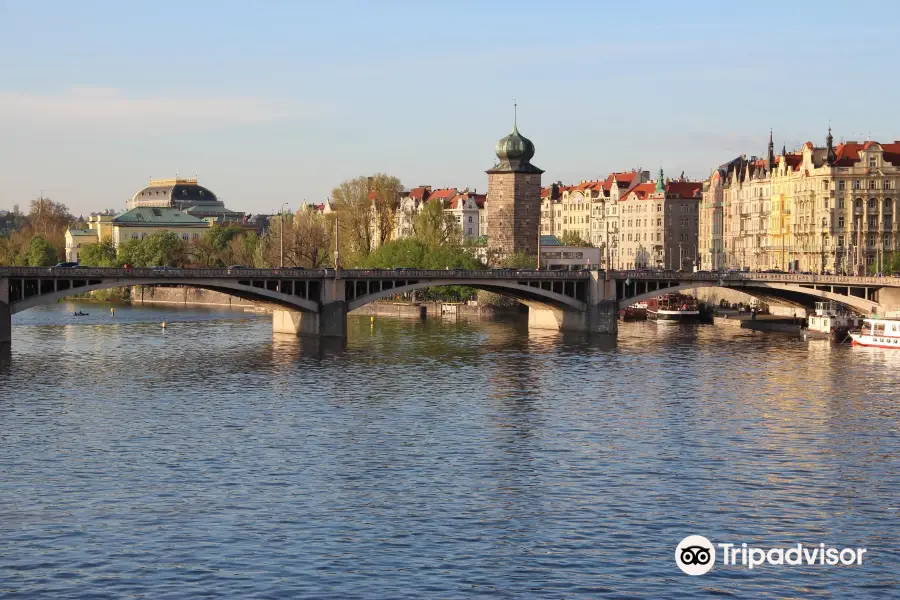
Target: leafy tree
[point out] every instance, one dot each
(40, 253)
(211, 250)
(101, 254)
(50, 220)
(571, 238)
(365, 208)
(434, 227)
(519, 260)
(161, 248)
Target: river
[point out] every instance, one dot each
(434, 459)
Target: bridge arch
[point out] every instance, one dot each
(226, 286)
(528, 295)
(762, 290)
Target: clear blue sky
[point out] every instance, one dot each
(272, 102)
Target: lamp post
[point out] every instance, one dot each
(282, 233)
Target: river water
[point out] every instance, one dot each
(434, 459)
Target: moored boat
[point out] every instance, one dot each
(673, 307)
(635, 312)
(831, 320)
(878, 333)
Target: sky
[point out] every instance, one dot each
(276, 101)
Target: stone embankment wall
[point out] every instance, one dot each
(431, 310)
(141, 294)
(713, 295)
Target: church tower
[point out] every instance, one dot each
(513, 198)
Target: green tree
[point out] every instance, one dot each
(434, 227)
(161, 248)
(571, 238)
(101, 254)
(41, 253)
(212, 249)
(519, 260)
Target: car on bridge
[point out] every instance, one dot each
(66, 265)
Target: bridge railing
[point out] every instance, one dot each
(172, 273)
(758, 276)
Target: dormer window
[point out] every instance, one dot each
(873, 162)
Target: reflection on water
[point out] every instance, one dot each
(433, 459)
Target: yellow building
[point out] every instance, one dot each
(134, 224)
(816, 209)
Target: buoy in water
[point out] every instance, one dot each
(112, 311)
(163, 324)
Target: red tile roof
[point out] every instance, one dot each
(793, 161)
(685, 189)
(847, 155)
(419, 193)
(642, 190)
(445, 194)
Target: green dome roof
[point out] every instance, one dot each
(514, 147)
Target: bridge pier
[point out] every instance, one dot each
(599, 316)
(5, 314)
(330, 321)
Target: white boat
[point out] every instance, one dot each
(831, 320)
(673, 307)
(878, 333)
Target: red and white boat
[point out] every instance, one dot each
(878, 333)
(673, 307)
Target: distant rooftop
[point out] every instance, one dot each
(157, 216)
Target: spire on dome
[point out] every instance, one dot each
(660, 183)
(771, 153)
(830, 156)
(515, 151)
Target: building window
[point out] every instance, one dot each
(873, 184)
(841, 184)
(888, 184)
(659, 208)
(470, 219)
(841, 221)
(857, 185)
(872, 203)
(134, 236)
(887, 205)
(184, 236)
(840, 203)
(840, 241)
(858, 203)
(873, 162)
(195, 236)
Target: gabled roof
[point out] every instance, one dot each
(158, 216)
(419, 193)
(445, 194)
(642, 190)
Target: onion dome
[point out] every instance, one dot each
(515, 152)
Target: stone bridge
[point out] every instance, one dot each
(317, 301)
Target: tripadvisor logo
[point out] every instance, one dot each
(696, 555)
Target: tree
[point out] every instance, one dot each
(434, 227)
(365, 207)
(307, 240)
(519, 260)
(101, 254)
(40, 253)
(571, 238)
(385, 193)
(50, 220)
(211, 250)
(161, 248)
